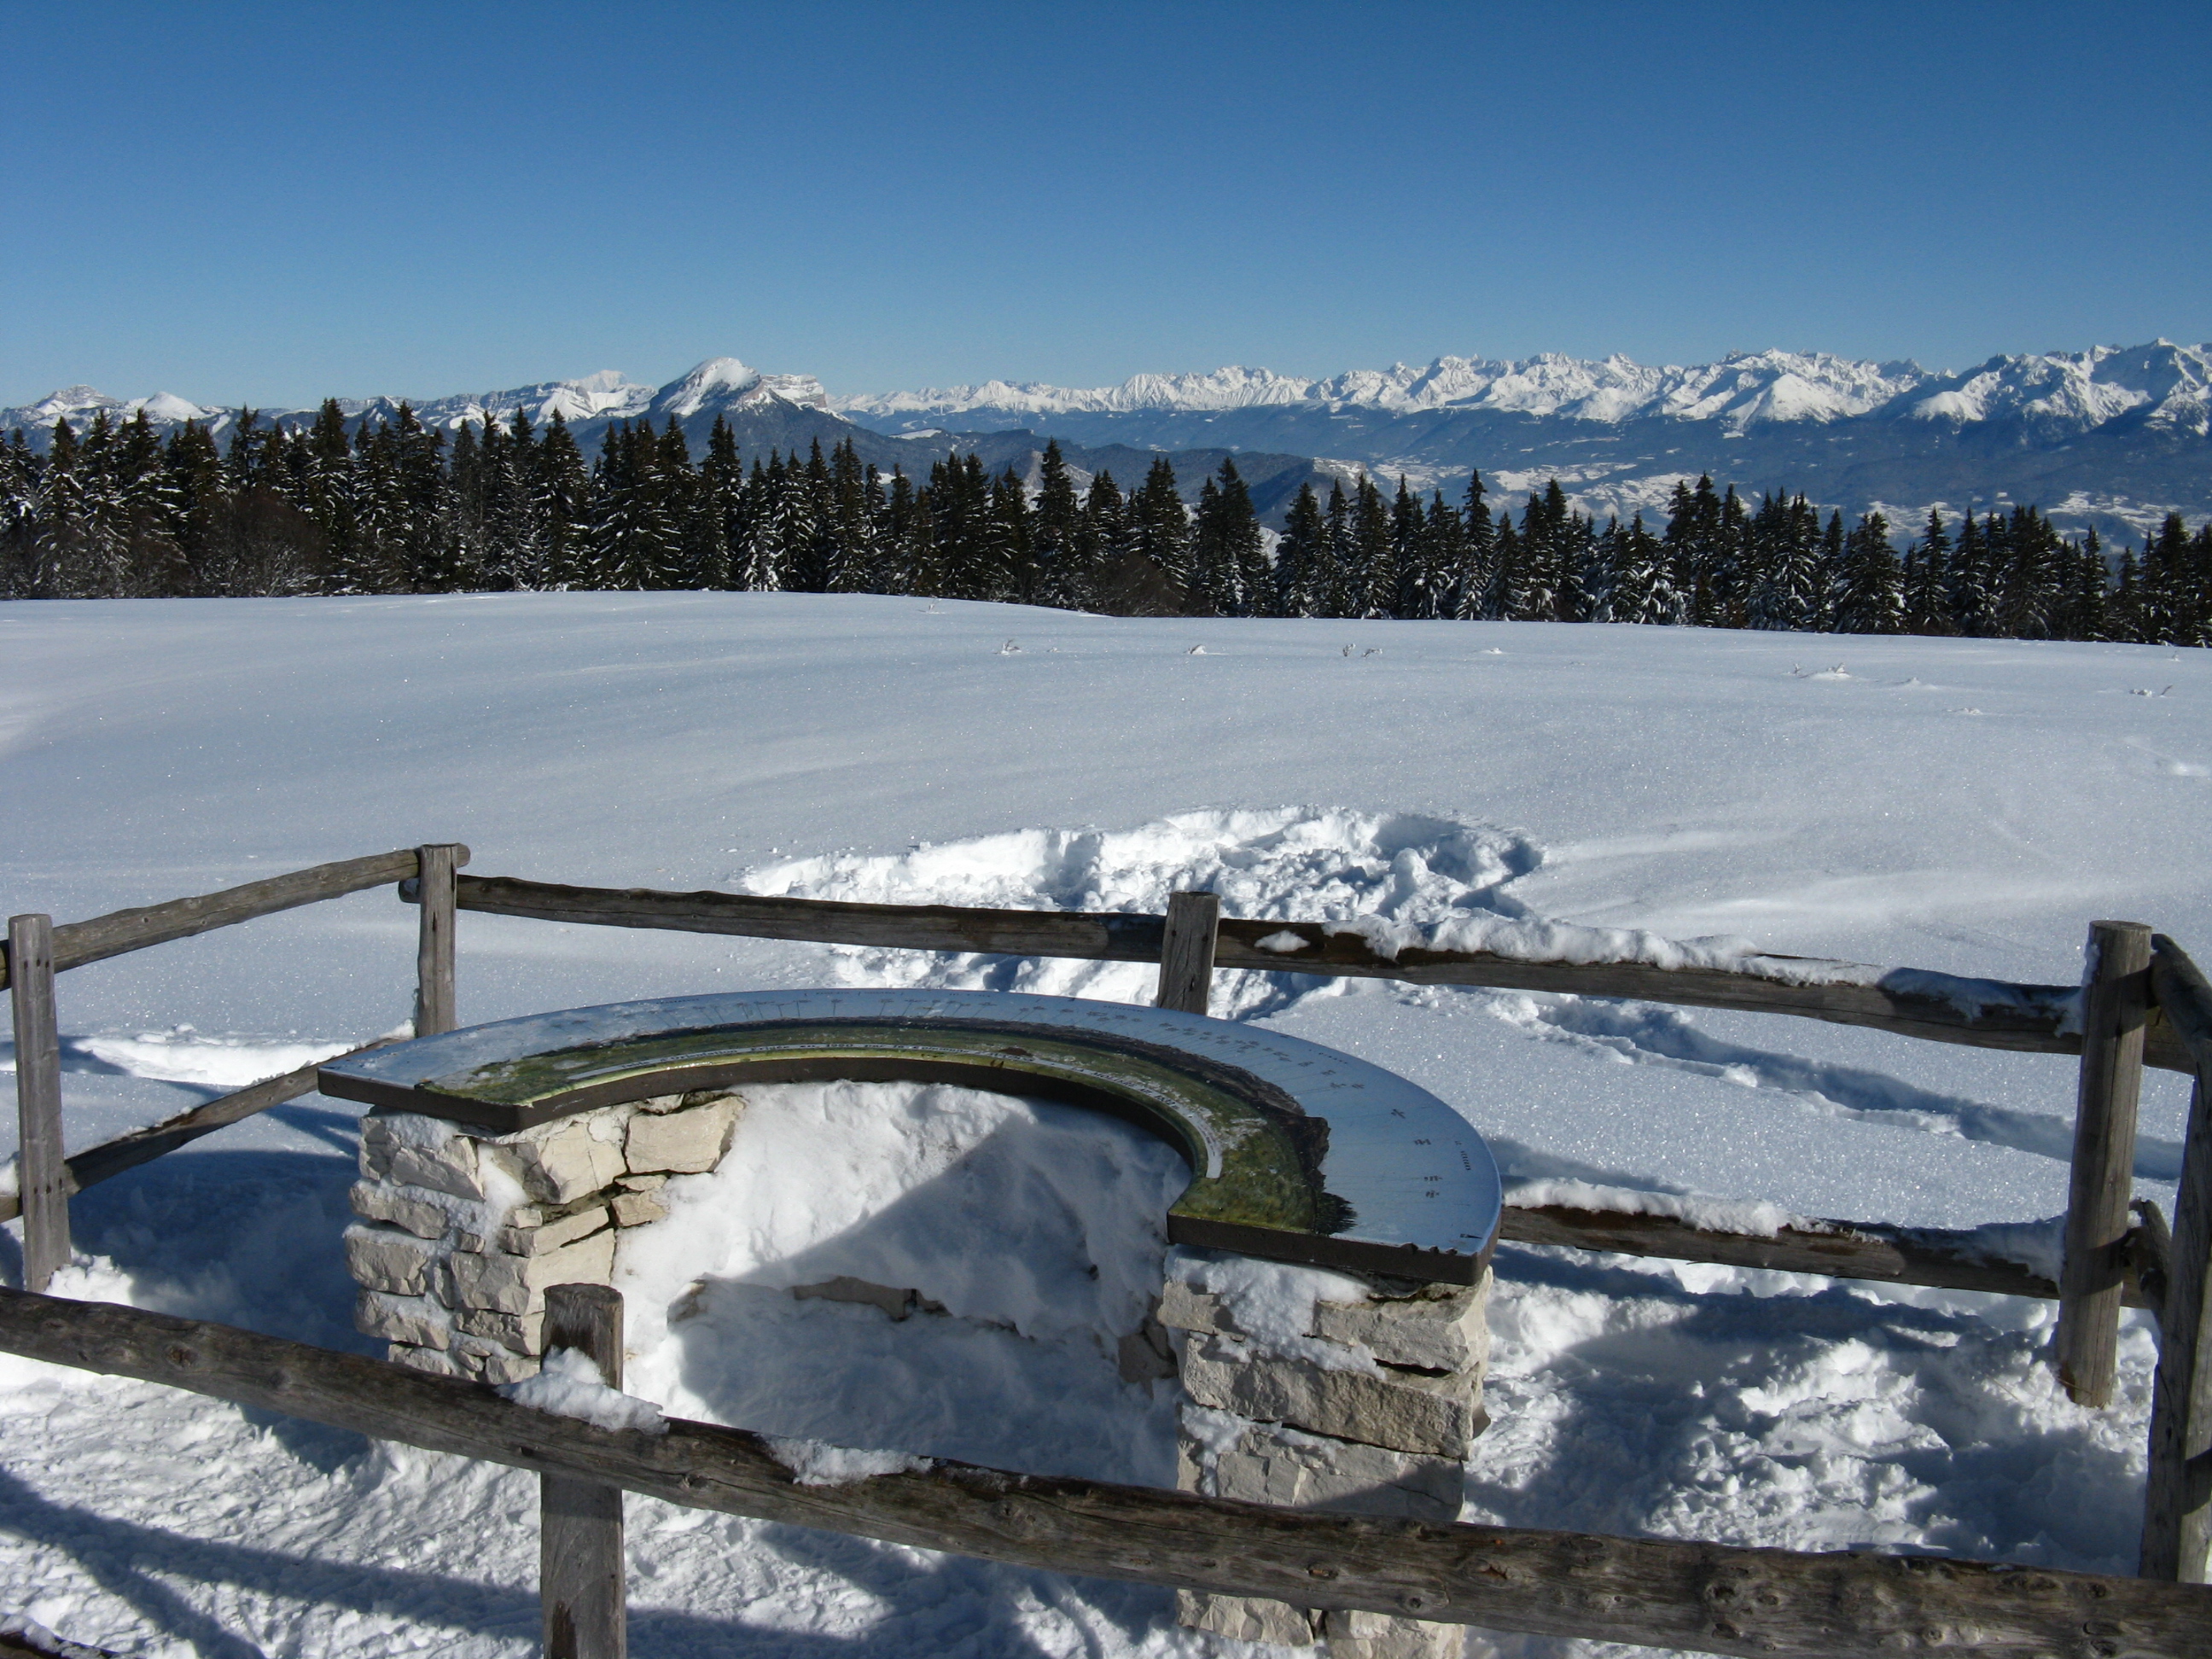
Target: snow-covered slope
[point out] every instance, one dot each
(1956, 804)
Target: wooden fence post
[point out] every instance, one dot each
(581, 1574)
(1187, 952)
(2176, 1539)
(433, 946)
(2114, 999)
(42, 1179)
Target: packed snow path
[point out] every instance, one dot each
(1950, 804)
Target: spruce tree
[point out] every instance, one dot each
(1692, 539)
(1927, 580)
(1506, 599)
(1642, 585)
(561, 507)
(1301, 559)
(1227, 557)
(1414, 586)
(1338, 589)
(2081, 611)
(1470, 581)
(1870, 582)
(1782, 569)
(1968, 579)
(897, 536)
(1056, 539)
(722, 488)
(1443, 555)
(1122, 581)
(20, 475)
(1370, 573)
(1159, 526)
(2171, 608)
(463, 532)
(1247, 544)
(148, 509)
(58, 545)
(698, 557)
(1005, 555)
(851, 524)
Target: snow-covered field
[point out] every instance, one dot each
(1960, 805)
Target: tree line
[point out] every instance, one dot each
(392, 506)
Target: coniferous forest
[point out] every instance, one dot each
(118, 512)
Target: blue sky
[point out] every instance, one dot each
(277, 203)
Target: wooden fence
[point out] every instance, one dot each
(2140, 1001)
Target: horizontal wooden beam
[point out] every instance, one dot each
(76, 943)
(14, 1644)
(1666, 1593)
(1932, 1256)
(111, 1157)
(1097, 935)
(2185, 1001)
(2026, 1018)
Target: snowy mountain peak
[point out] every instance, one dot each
(722, 383)
(77, 405)
(166, 408)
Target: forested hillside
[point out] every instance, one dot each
(333, 507)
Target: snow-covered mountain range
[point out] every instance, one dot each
(2115, 436)
(2169, 384)
(720, 385)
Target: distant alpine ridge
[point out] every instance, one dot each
(719, 385)
(2113, 438)
(2166, 385)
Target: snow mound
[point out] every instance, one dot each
(1288, 863)
(571, 1385)
(1271, 1303)
(1024, 1237)
(817, 1463)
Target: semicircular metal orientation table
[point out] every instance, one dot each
(1297, 1153)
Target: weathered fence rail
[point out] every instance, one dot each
(2131, 1011)
(1712, 1598)
(77, 943)
(1941, 1008)
(111, 1158)
(1938, 1258)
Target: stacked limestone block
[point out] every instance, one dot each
(1370, 1408)
(462, 1231)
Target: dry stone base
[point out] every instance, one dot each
(1383, 1636)
(1271, 1464)
(1440, 1328)
(1408, 1411)
(462, 1232)
(1340, 1635)
(1246, 1618)
(1371, 1413)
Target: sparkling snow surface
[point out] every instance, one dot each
(1960, 806)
